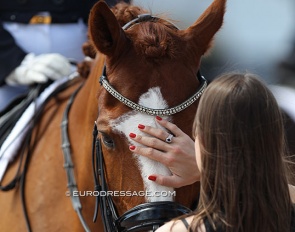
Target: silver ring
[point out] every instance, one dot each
(169, 138)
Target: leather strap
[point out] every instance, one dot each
(68, 163)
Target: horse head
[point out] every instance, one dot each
(152, 65)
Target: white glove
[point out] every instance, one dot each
(38, 69)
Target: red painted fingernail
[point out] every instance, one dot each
(152, 178)
(140, 126)
(158, 118)
(132, 135)
(132, 147)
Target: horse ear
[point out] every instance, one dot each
(203, 30)
(104, 29)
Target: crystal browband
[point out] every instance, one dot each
(105, 83)
(161, 112)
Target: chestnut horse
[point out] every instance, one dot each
(150, 63)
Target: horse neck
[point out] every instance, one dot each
(88, 94)
(81, 120)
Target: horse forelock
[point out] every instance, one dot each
(125, 12)
(155, 40)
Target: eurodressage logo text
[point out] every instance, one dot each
(77, 193)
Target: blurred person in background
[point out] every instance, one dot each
(38, 40)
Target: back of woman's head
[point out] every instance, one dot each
(240, 130)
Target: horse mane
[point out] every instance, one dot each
(154, 40)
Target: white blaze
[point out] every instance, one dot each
(128, 123)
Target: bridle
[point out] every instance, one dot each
(146, 216)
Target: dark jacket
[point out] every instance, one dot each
(61, 11)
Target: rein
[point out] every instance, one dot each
(68, 163)
(25, 155)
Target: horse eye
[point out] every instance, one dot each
(108, 141)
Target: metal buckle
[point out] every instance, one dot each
(41, 19)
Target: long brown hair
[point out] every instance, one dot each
(244, 184)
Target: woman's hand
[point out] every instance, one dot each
(178, 156)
